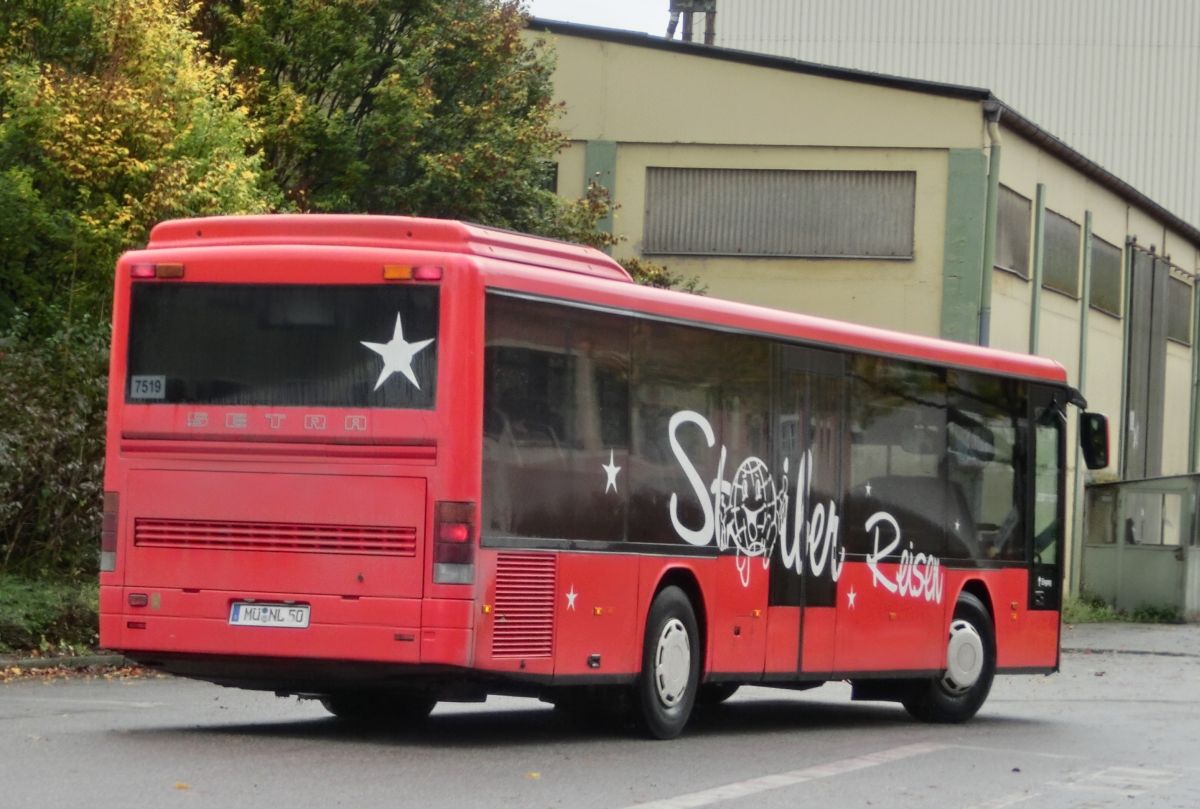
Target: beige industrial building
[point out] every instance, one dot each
(925, 207)
(1114, 78)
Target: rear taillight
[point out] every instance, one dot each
(108, 532)
(454, 543)
(156, 271)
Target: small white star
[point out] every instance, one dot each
(571, 596)
(850, 596)
(868, 488)
(397, 355)
(956, 525)
(610, 470)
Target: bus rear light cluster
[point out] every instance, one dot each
(108, 532)
(405, 272)
(156, 271)
(454, 543)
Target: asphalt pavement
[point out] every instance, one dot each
(1117, 728)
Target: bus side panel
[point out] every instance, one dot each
(738, 621)
(882, 630)
(819, 637)
(516, 633)
(783, 640)
(596, 616)
(1024, 638)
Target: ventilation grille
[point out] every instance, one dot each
(524, 623)
(271, 536)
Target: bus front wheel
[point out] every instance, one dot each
(958, 693)
(666, 689)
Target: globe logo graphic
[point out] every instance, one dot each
(752, 513)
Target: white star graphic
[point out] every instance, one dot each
(956, 525)
(610, 470)
(850, 596)
(868, 488)
(397, 355)
(571, 596)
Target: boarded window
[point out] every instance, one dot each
(753, 212)
(1106, 277)
(1012, 232)
(1060, 271)
(1179, 311)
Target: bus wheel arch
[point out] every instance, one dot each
(977, 588)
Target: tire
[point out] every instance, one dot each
(670, 678)
(715, 693)
(959, 692)
(372, 708)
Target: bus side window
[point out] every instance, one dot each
(985, 460)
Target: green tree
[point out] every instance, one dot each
(112, 117)
(433, 108)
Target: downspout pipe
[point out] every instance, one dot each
(1194, 431)
(991, 113)
(1079, 532)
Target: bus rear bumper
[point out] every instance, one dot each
(381, 630)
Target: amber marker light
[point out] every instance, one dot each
(397, 272)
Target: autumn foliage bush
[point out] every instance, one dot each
(52, 404)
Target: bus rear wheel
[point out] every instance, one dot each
(375, 708)
(959, 692)
(666, 689)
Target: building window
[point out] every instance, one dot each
(548, 176)
(1179, 311)
(1106, 277)
(780, 213)
(1060, 269)
(1012, 232)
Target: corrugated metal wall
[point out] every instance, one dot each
(1115, 79)
(757, 212)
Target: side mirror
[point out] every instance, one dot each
(1093, 437)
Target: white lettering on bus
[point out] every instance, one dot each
(750, 512)
(917, 576)
(704, 534)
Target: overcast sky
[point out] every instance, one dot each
(631, 15)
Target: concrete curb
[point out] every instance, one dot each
(77, 662)
(1145, 652)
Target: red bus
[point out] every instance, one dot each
(387, 461)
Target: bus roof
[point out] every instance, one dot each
(357, 230)
(532, 254)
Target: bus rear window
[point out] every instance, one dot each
(274, 345)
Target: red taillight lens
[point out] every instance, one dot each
(156, 271)
(454, 543)
(427, 272)
(108, 532)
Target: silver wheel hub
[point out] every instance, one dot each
(672, 663)
(964, 657)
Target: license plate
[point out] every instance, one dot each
(292, 616)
